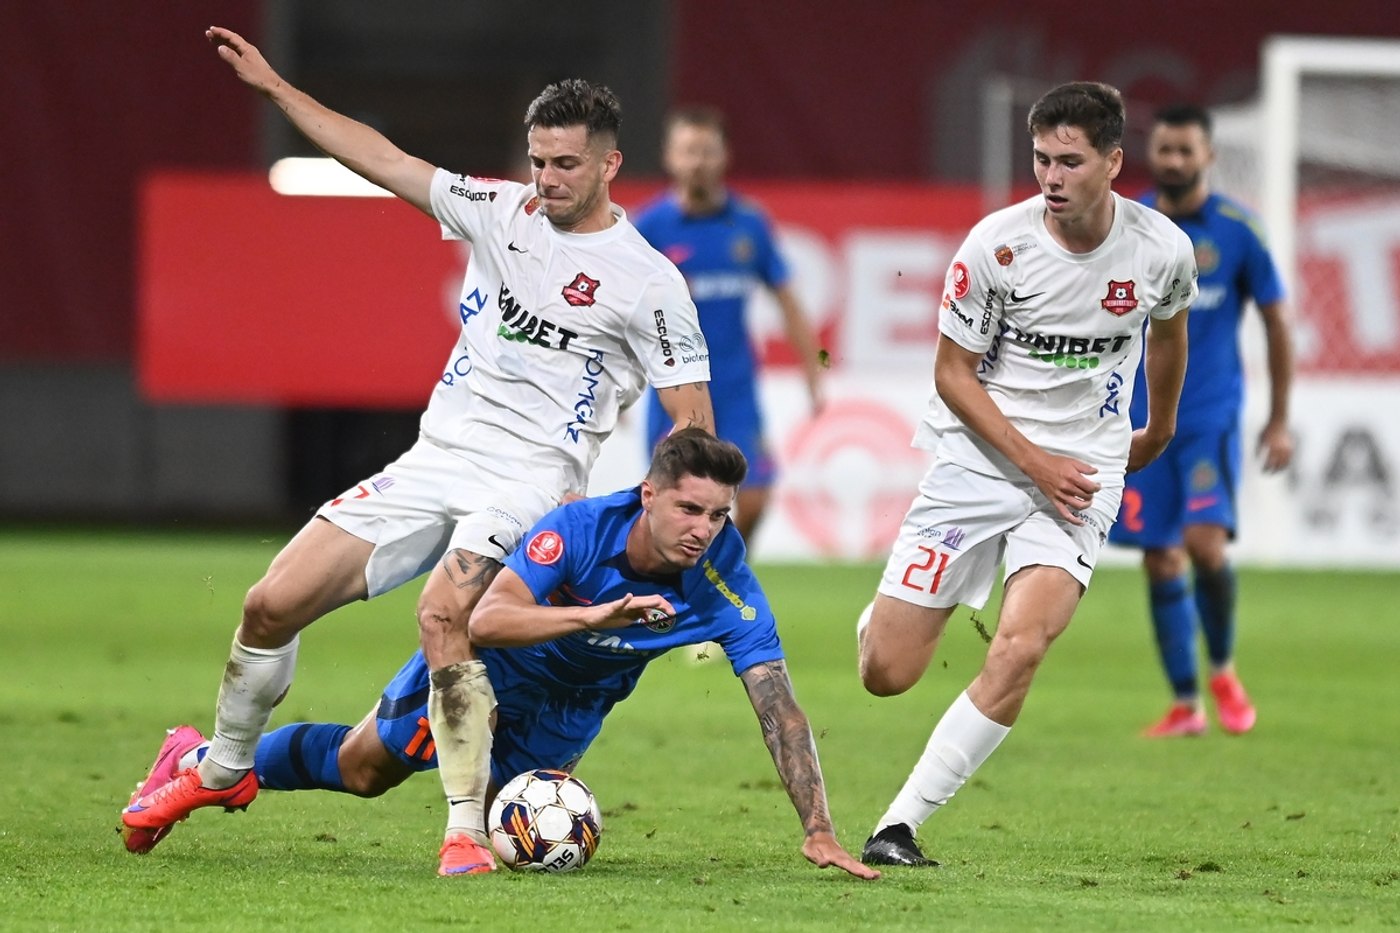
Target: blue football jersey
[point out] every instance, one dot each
(577, 555)
(1234, 267)
(723, 257)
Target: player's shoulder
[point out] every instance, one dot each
(642, 260)
(1144, 221)
(1231, 213)
(481, 190)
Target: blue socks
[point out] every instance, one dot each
(1174, 621)
(301, 756)
(1215, 601)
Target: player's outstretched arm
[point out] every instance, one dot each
(509, 617)
(788, 736)
(804, 340)
(1066, 482)
(1165, 371)
(359, 148)
(688, 405)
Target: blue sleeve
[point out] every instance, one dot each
(1261, 278)
(743, 621)
(771, 266)
(547, 553)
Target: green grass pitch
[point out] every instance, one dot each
(1076, 823)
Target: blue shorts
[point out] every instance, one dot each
(737, 420)
(536, 726)
(1193, 482)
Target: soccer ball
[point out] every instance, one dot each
(545, 820)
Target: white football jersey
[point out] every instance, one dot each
(560, 332)
(1062, 332)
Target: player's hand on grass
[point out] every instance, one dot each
(243, 56)
(1147, 444)
(823, 851)
(1276, 447)
(631, 609)
(1066, 483)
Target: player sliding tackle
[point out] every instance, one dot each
(601, 588)
(562, 310)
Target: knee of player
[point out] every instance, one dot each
(263, 615)
(436, 617)
(364, 780)
(880, 680)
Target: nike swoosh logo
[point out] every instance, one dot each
(1017, 299)
(515, 249)
(1083, 563)
(492, 539)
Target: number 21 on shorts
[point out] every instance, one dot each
(916, 574)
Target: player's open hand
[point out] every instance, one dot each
(823, 851)
(1067, 483)
(247, 62)
(1276, 447)
(631, 609)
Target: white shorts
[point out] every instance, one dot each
(432, 500)
(963, 524)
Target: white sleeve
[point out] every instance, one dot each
(467, 206)
(973, 298)
(666, 318)
(1182, 275)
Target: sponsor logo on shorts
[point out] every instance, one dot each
(545, 548)
(581, 291)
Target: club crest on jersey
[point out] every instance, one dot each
(532, 205)
(658, 621)
(960, 279)
(580, 291)
(1004, 255)
(1120, 299)
(545, 548)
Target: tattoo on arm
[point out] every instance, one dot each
(467, 570)
(788, 736)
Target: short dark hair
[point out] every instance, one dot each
(576, 102)
(696, 452)
(1185, 115)
(1093, 107)
(709, 118)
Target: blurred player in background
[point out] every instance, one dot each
(603, 587)
(724, 245)
(564, 312)
(1182, 506)
(1042, 325)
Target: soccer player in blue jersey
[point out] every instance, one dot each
(598, 589)
(1182, 507)
(724, 246)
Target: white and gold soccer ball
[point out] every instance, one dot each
(545, 820)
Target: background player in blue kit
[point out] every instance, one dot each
(1182, 506)
(724, 246)
(597, 590)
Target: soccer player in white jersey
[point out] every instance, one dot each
(1041, 330)
(565, 315)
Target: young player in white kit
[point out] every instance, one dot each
(1041, 331)
(564, 311)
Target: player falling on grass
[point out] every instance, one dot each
(724, 246)
(1182, 507)
(563, 311)
(1041, 330)
(601, 588)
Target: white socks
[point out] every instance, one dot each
(961, 741)
(255, 680)
(460, 702)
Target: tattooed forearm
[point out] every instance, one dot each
(467, 570)
(788, 736)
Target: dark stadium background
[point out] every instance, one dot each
(98, 95)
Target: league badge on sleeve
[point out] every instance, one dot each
(545, 548)
(959, 280)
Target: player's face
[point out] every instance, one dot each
(1178, 157)
(571, 175)
(1075, 178)
(683, 519)
(696, 158)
